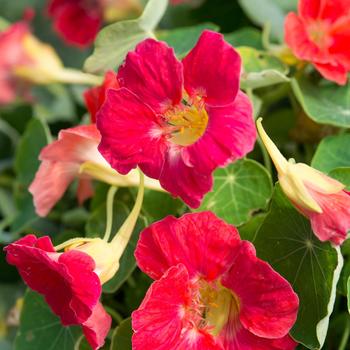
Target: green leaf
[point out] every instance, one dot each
(54, 103)
(245, 37)
(239, 190)
(249, 230)
(121, 338)
(261, 69)
(342, 175)
(40, 329)
(184, 39)
(116, 40)
(36, 136)
(332, 152)
(156, 205)
(349, 294)
(325, 103)
(286, 241)
(262, 12)
(95, 227)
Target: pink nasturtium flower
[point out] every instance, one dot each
(78, 21)
(320, 33)
(25, 61)
(75, 155)
(317, 196)
(178, 121)
(71, 281)
(211, 291)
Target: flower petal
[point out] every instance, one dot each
(50, 183)
(131, 133)
(159, 321)
(212, 69)
(97, 327)
(297, 38)
(153, 73)
(333, 71)
(230, 135)
(76, 145)
(67, 280)
(202, 242)
(268, 304)
(244, 340)
(333, 223)
(95, 97)
(182, 179)
(76, 24)
(85, 190)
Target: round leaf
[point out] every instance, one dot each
(239, 190)
(332, 152)
(286, 241)
(40, 329)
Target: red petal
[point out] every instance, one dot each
(160, 321)
(154, 74)
(67, 280)
(202, 242)
(96, 96)
(334, 72)
(76, 23)
(244, 340)
(212, 69)
(268, 304)
(179, 177)
(131, 133)
(230, 135)
(97, 327)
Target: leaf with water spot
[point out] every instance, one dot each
(239, 190)
(40, 329)
(286, 241)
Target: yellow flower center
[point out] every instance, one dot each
(221, 308)
(318, 34)
(187, 122)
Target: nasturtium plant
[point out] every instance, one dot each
(174, 174)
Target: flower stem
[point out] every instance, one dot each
(74, 76)
(345, 337)
(121, 239)
(109, 213)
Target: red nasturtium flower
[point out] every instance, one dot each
(320, 33)
(78, 21)
(69, 282)
(96, 96)
(211, 291)
(317, 196)
(178, 121)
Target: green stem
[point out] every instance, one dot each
(121, 239)
(345, 337)
(115, 315)
(109, 221)
(266, 157)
